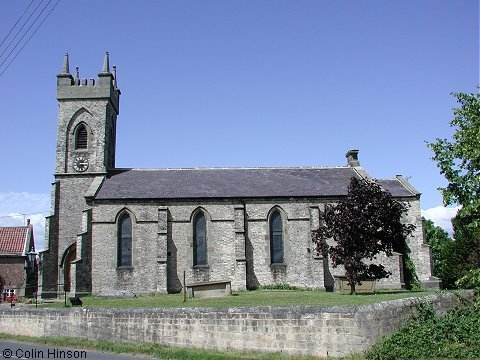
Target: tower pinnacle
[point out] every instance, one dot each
(106, 64)
(65, 67)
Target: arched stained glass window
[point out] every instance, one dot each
(125, 241)
(199, 240)
(276, 238)
(81, 137)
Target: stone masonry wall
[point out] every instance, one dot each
(238, 246)
(70, 213)
(420, 251)
(95, 114)
(233, 242)
(320, 331)
(158, 248)
(297, 240)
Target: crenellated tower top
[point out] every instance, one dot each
(104, 87)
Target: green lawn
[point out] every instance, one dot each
(248, 298)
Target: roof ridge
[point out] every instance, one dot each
(240, 168)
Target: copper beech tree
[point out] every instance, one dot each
(365, 223)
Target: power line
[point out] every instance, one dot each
(18, 32)
(26, 32)
(23, 214)
(13, 27)
(34, 32)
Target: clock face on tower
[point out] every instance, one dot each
(80, 164)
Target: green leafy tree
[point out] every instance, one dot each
(445, 254)
(471, 280)
(363, 224)
(459, 161)
(467, 239)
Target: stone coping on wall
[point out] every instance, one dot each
(307, 330)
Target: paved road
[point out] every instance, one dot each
(18, 350)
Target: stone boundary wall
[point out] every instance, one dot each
(308, 330)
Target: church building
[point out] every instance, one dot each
(139, 230)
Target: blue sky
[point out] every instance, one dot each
(244, 83)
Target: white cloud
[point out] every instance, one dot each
(441, 216)
(15, 208)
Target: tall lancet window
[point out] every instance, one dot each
(276, 238)
(125, 241)
(199, 240)
(81, 138)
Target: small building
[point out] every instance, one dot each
(16, 272)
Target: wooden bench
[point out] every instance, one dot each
(210, 289)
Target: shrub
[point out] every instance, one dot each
(279, 287)
(427, 336)
(470, 281)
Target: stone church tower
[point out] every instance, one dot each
(87, 117)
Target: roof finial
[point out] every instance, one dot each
(65, 67)
(106, 65)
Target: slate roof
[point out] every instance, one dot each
(232, 183)
(12, 240)
(395, 187)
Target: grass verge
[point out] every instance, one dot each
(151, 350)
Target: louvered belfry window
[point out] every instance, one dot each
(276, 238)
(81, 140)
(199, 240)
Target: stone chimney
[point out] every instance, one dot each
(352, 158)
